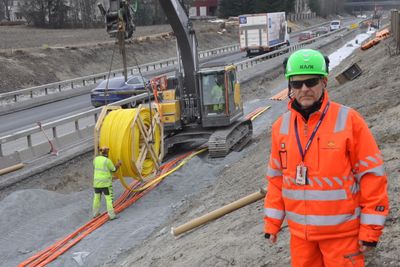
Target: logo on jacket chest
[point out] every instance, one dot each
(331, 144)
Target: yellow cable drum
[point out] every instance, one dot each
(135, 137)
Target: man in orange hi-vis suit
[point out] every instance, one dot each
(325, 173)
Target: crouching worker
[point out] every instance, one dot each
(102, 182)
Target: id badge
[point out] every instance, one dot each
(301, 174)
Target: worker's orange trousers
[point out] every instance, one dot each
(326, 253)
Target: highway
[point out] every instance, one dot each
(16, 121)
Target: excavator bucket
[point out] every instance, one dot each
(120, 11)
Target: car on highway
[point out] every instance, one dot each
(321, 31)
(335, 25)
(306, 35)
(115, 89)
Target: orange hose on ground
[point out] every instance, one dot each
(129, 197)
(125, 200)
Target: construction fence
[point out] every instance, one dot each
(301, 16)
(395, 27)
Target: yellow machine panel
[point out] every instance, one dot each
(171, 107)
(169, 118)
(169, 94)
(171, 111)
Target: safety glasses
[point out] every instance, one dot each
(309, 83)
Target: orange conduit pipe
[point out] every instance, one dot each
(128, 197)
(46, 256)
(381, 35)
(258, 111)
(282, 95)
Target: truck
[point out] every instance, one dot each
(262, 33)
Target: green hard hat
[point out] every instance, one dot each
(306, 62)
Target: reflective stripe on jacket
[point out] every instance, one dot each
(102, 176)
(346, 190)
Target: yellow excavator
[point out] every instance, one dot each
(204, 104)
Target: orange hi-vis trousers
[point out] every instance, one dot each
(338, 252)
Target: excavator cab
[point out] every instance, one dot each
(221, 103)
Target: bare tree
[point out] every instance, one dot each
(34, 11)
(2, 10)
(87, 8)
(82, 13)
(45, 13)
(6, 4)
(301, 6)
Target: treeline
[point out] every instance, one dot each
(85, 13)
(60, 13)
(77, 13)
(228, 8)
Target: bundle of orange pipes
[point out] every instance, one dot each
(282, 95)
(381, 35)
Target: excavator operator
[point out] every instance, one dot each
(325, 173)
(217, 93)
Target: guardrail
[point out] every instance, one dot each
(39, 147)
(21, 95)
(249, 63)
(44, 90)
(26, 136)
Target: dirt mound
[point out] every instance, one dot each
(32, 57)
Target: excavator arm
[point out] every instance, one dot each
(187, 43)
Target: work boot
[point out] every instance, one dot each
(94, 215)
(113, 217)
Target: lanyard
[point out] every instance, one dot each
(303, 153)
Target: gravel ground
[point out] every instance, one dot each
(237, 239)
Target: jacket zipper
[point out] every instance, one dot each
(318, 151)
(306, 129)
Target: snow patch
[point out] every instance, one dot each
(336, 57)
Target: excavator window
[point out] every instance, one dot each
(213, 86)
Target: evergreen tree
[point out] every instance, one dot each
(228, 8)
(267, 6)
(314, 6)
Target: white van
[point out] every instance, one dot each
(335, 25)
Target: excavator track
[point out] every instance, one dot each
(234, 137)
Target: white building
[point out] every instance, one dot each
(14, 9)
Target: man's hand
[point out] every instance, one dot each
(364, 248)
(119, 163)
(272, 238)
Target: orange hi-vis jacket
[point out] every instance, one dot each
(346, 189)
